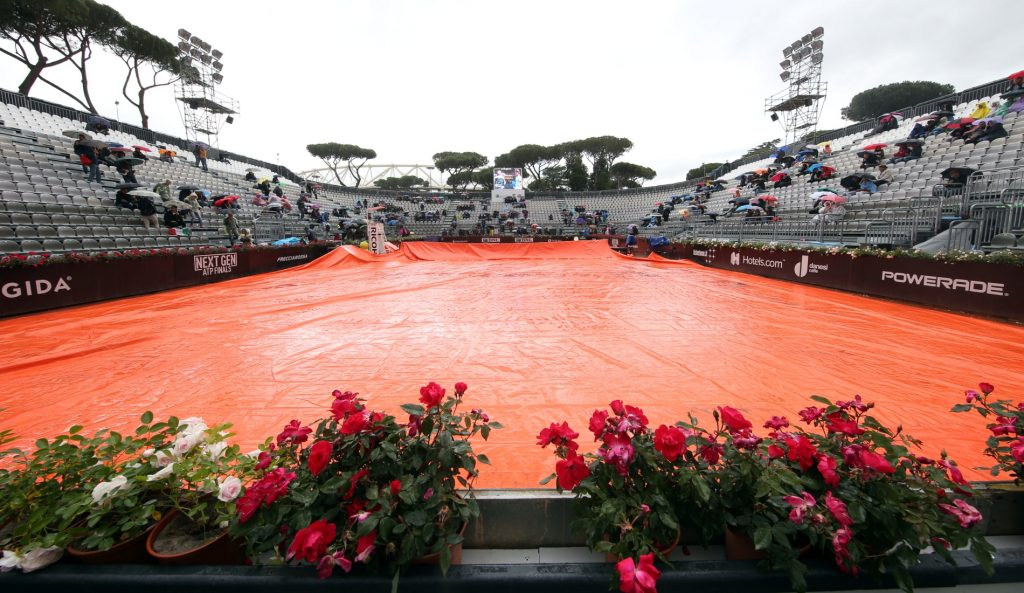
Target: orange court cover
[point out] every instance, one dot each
(541, 332)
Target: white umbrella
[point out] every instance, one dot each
(76, 134)
(144, 193)
(822, 194)
(181, 205)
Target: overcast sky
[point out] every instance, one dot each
(684, 80)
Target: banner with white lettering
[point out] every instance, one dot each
(376, 238)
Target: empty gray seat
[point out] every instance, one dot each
(83, 231)
(76, 220)
(137, 242)
(59, 219)
(122, 243)
(72, 245)
(6, 232)
(91, 244)
(29, 246)
(107, 243)
(50, 245)
(66, 231)
(40, 219)
(9, 247)
(16, 207)
(26, 232)
(46, 231)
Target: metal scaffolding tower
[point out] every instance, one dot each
(204, 110)
(798, 106)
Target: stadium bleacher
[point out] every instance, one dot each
(46, 204)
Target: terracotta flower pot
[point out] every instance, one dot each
(739, 546)
(221, 550)
(132, 551)
(664, 550)
(435, 558)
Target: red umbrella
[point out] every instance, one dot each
(226, 200)
(959, 123)
(120, 149)
(778, 177)
(875, 146)
(769, 199)
(142, 148)
(1016, 75)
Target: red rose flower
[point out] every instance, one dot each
(617, 407)
(810, 414)
(711, 453)
(872, 460)
(571, 471)
(776, 423)
(342, 407)
(986, 388)
(431, 395)
(733, 419)
(597, 423)
(319, 457)
(325, 567)
(801, 450)
(953, 471)
(311, 542)
(775, 452)
(617, 449)
(248, 504)
(396, 487)
(638, 578)
(1004, 425)
(838, 509)
(294, 433)
(965, 514)
(827, 469)
(1017, 449)
(559, 435)
(836, 423)
(263, 461)
(460, 388)
(275, 484)
(356, 423)
(800, 506)
(364, 546)
(415, 424)
(669, 441)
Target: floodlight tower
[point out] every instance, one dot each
(204, 110)
(799, 105)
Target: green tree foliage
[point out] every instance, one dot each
(626, 175)
(47, 33)
(141, 50)
(576, 176)
(553, 179)
(762, 150)
(701, 171)
(532, 158)
(403, 182)
(889, 97)
(333, 154)
(455, 163)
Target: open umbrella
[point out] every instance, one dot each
(875, 146)
(119, 149)
(1016, 75)
(95, 119)
(128, 186)
(959, 123)
(113, 145)
(76, 134)
(778, 177)
(814, 167)
(129, 160)
(928, 116)
(142, 148)
(142, 192)
(853, 181)
(760, 171)
(94, 143)
(181, 205)
(189, 186)
(746, 207)
(769, 199)
(811, 147)
(262, 180)
(834, 198)
(200, 145)
(964, 171)
(995, 119)
(226, 201)
(822, 194)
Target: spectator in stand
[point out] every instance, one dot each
(907, 152)
(264, 186)
(828, 150)
(127, 172)
(123, 199)
(981, 111)
(147, 211)
(821, 173)
(89, 159)
(173, 219)
(979, 130)
(868, 185)
(830, 211)
(274, 205)
(871, 158)
(993, 130)
(884, 176)
(259, 200)
(302, 202)
(231, 227)
(137, 153)
(195, 211)
(164, 189)
(961, 132)
(953, 181)
(250, 176)
(245, 237)
(782, 180)
(278, 191)
(276, 180)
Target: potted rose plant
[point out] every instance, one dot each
(201, 477)
(1006, 443)
(635, 493)
(845, 485)
(359, 487)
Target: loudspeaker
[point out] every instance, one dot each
(230, 120)
(775, 117)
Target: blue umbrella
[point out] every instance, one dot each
(114, 145)
(287, 241)
(745, 207)
(95, 119)
(814, 167)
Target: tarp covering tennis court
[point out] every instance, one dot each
(541, 332)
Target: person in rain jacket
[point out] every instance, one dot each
(830, 211)
(196, 212)
(231, 227)
(981, 111)
(992, 131)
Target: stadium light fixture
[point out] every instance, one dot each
(217, 54)
(183, 34)
(817, 58)
(784, 64)
(807, 38)
(786, 51)
(217, 66)
(817, 45)
(817, 32)
(784, 76)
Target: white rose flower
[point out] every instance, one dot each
(186, 443)
(230, 488)
(10, 561)
(254, 454)
(148, 453)
(161, 474)
(40, 558)
(162, 458)
(215, 450)
(192, 426)
(105, 489)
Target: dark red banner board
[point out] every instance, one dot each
(994, 290)
(499, 239)
(28, 289)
